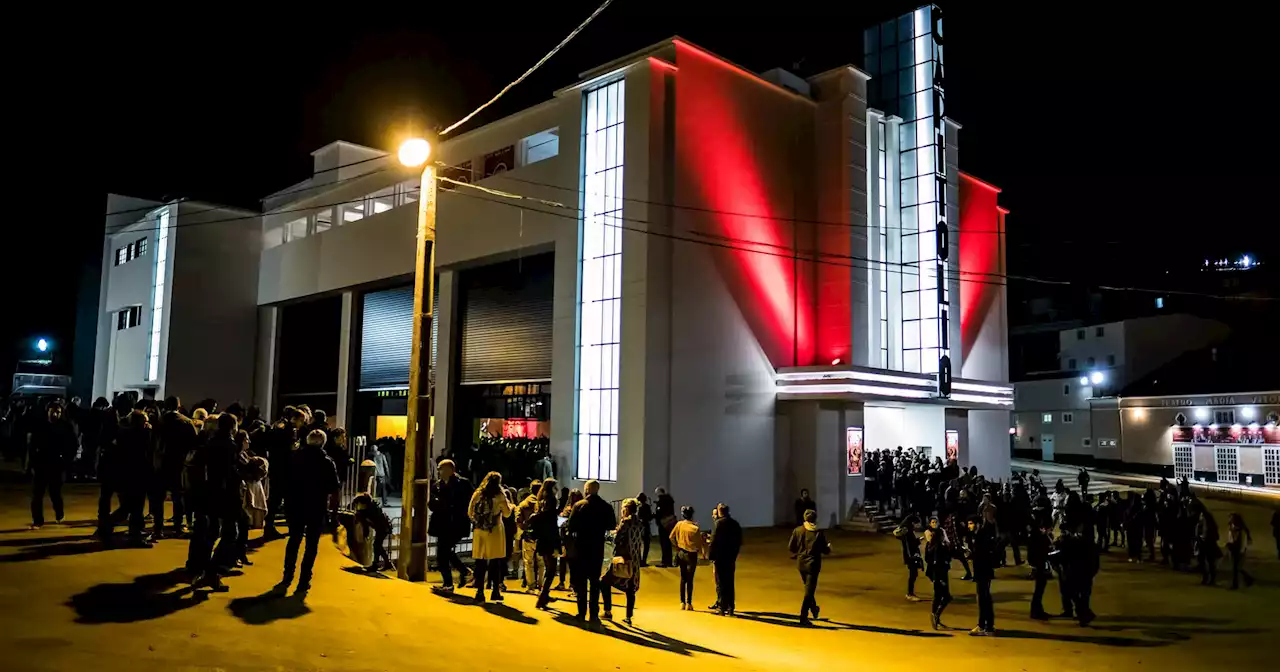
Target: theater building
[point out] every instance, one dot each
(681, 273)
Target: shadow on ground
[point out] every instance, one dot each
(269, 607)
(793, 621)
(145, 598)
(361, 571)
(638, 636)
(55, 547)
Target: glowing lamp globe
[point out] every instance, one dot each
(414, 152)
(42, 345)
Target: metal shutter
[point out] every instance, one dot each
(506, 321)
(386, 336)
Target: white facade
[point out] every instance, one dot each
(172, 305)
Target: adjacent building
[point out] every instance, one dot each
(679, 273)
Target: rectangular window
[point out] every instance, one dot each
(157, 294)
(1093, 361)
(1079, 334)
(1224, 417)
(1068, 418)
(352, 212)
(1071, 363)
(273, 238)
(383, 200)
(407, 191)
(140, 247)
(539, 146)
(1099, 332)
(296, 229)
(1046, 418)
(322, 221)
(1066, 390)
(120, 258)
(129, 318)
(600, 283)
(1159, 302)
(1111, 360)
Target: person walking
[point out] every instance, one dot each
(726, 543)
(488, 508)
(589, 522)
(545, 530)
(937, 567)
(906, 534)
(1239, 538)
(448, 502)
(624, 568)
(803, 503)
(983, 547)
(1082, 479)
(688, 540)
(807, 545)
(51, 444)
(313, 479)
(1207, 551)
(665, 513)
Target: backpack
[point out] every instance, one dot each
(485, 519)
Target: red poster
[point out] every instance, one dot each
(953, 446)
(853, 449)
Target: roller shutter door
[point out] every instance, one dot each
(386, 337)
(506, 321)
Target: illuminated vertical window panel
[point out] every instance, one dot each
(600, 284)
(157, 294)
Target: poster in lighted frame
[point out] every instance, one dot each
(953, 446)
(853, 449)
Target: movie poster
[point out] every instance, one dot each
(853, 449)
(953, 446)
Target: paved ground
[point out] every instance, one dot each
(69, 605)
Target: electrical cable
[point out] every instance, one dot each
(530, 71)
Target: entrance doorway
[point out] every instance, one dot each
(1046, 447)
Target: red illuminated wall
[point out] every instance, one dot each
(743, 160)
(981, 252)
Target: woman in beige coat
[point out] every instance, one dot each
(489, 505)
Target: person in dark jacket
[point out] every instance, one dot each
(544, 527)
(281, 440)
(1038, 547)
(450, 496)
(214, 495)
(313, 479)
(665, 513)
(589, 522)
(51, 445)
(178, 437)
(368, 513)
(803, 503)
(726, 543)
(645, 515)
(906, 534)
(133, 447)
(983, 549)
(937, 567)
(808, 544)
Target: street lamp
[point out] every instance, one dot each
(417, 455)
(42, 345)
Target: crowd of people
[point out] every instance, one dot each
(964, 517)
(224, 472)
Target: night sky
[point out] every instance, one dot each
(1126, 140)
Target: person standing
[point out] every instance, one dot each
(281, 439)
(1082, 479)
(906, 534)
(624, 569)
(808, 544)
(1275, 529)
(50, 445)
(488, 508)
(1207, 551)
(937, 567)
(448, 502)
(530, 560)
(590, 520)
(645, 512)
(313, 480)
(803, 503)
(1238, 540)
(688, 540)
(983, 547)
(545, 529)
(566, 539)
(726, 543)
(665, 513)
(1038, 546)
(133, 444)
(178, 437)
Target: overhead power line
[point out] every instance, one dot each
(528, 72)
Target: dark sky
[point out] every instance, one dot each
(1124, 138)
